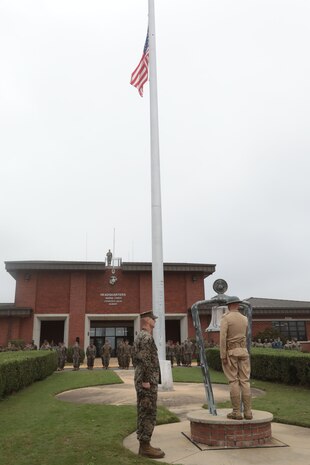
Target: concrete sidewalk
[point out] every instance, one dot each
(292, 442)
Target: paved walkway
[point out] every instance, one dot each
(293, 443)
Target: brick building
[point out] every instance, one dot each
(291, 318)
(61, 301)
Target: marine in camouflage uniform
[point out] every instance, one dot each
(91, 352)
(188, 352)
(76, 356)
(105, 354)
(126, 354)
(178, 353)
(120, 354)
(235, 359)
(170, 352)
(61, 356)
(147, 370)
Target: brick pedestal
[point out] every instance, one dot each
(219, 431)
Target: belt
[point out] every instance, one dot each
(235, 345)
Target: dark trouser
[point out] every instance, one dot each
(90, 361)
(105, 361)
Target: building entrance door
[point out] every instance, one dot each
(52, 331)
(173, 332)
(114, 331)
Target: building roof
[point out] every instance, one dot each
(277, 304)
(11, 310)
(13, 266)
(261, 306)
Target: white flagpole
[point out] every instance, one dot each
(158, 296)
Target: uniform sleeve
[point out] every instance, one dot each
(223, 338)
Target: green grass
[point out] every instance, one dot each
(288, 404)
(194, 375)
(38, 429)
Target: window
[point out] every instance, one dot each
(121, 332)
(291, 329)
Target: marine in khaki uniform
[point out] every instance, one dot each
(235, 359)
(146, 364)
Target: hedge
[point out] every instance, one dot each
(20, 369)
(288, 367)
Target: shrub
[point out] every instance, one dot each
(19, 343)
(272, 365)
(213, 359)
(20, 369)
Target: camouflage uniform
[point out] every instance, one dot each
(62, 356)
(105, 354)
(188, 352)
(147, 369)
(76, 356)
(126, 355)
(120, 354)
(91, 352)
(178, 353)
(170, 352)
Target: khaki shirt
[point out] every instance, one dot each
(233, 334)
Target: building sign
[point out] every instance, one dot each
(113, 298)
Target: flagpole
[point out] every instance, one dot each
(158, 296)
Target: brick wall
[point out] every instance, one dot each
(98, 284)
(194, 288)
(4, 327)
(145, 291)
(236, 435)
(26, 287)
(77, 307)
(53, 292)
(258, 326)
(175, 293)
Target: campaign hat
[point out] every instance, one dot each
(233, 300)
(148, 314)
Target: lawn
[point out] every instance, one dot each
(288, 404)
(38, 429)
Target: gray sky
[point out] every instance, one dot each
(234, 110)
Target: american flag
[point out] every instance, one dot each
(141, 73)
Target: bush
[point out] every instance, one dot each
(272, 365)
(214, 359)
(20, 369)
(19, 343)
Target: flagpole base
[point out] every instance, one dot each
(166, 376)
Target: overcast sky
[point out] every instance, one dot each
(234, 117)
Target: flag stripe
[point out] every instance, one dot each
(140, 75)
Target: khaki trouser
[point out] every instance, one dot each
(237, 371)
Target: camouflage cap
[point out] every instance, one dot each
(148, 314)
